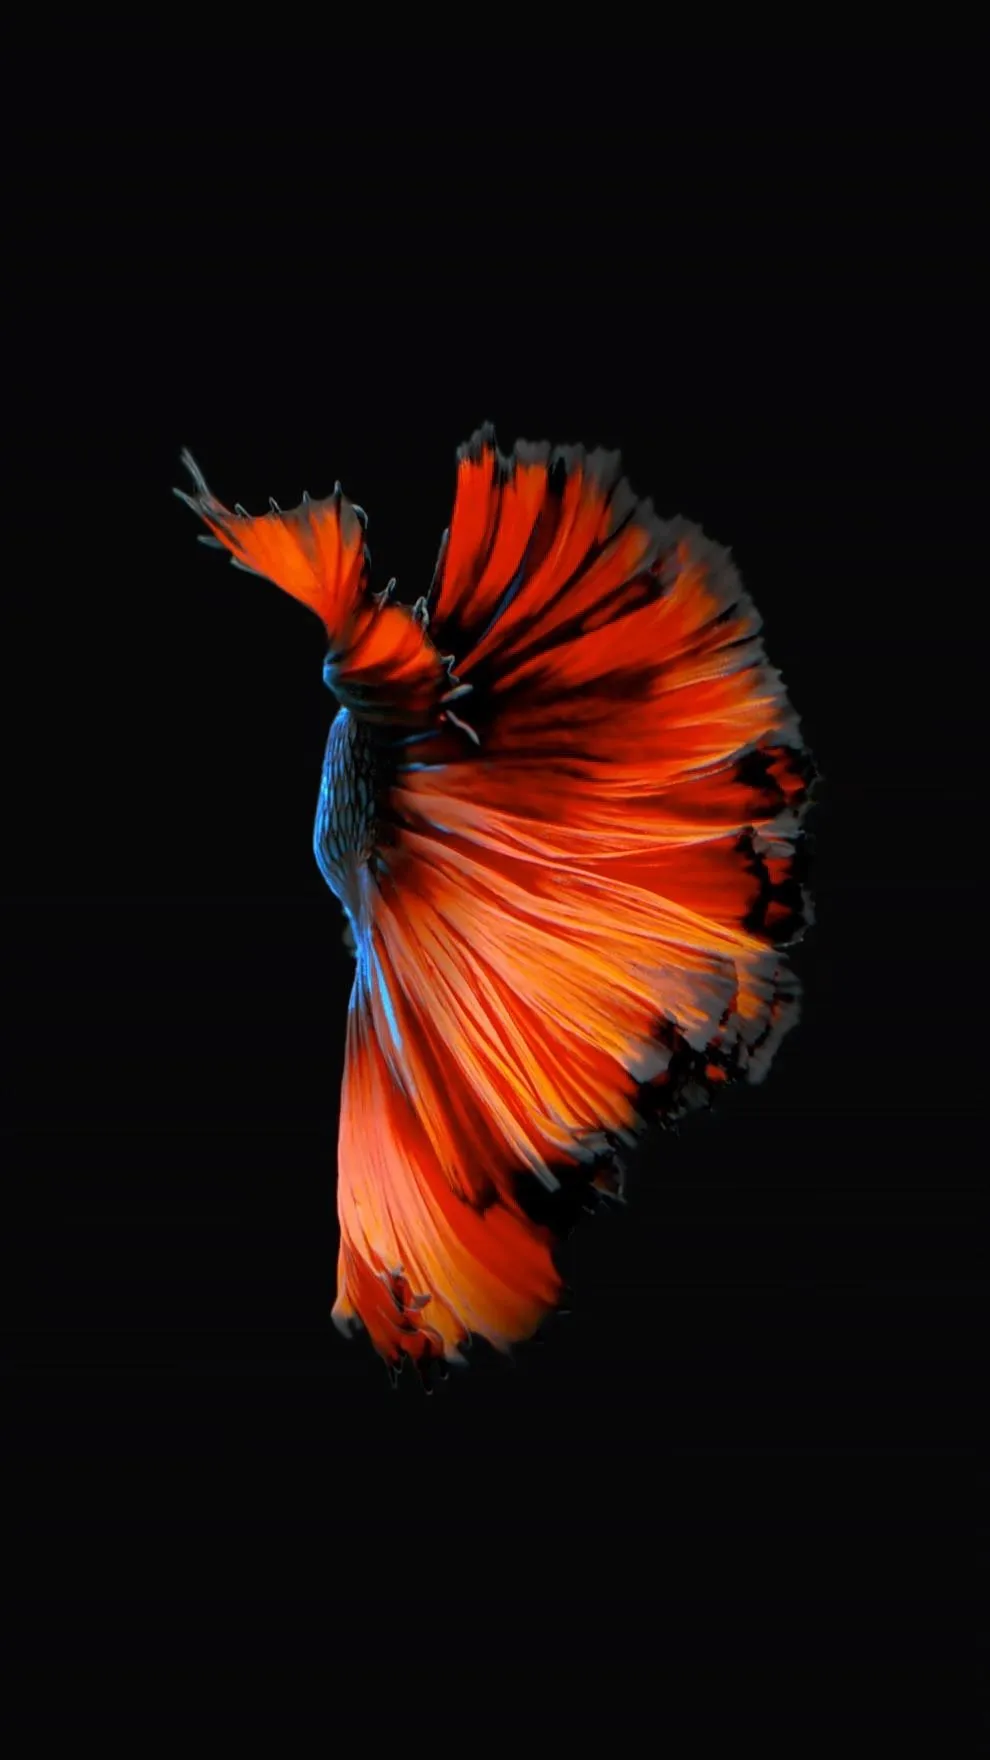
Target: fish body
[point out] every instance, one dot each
(346, 820)
(562, 808)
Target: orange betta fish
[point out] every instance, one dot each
(561, 807)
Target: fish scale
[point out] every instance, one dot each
(345, 831)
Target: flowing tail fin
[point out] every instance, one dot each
(589, 884)
(423, 1264)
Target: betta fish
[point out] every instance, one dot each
(562, 808)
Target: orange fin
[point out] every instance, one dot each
(638, 757)
(537, 542)
(581, 920)
(381, 664)
(423, 1266)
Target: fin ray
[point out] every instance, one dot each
(382, 664)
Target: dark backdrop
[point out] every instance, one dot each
(746, 1461)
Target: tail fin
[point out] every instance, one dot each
(423, 1265)
(585, 907)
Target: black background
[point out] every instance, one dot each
(739, 1480)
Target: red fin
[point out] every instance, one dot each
(423, 1265)
(504, 1020)
(634, 744)
(536, 542)
(579, 919)
(382, 664)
